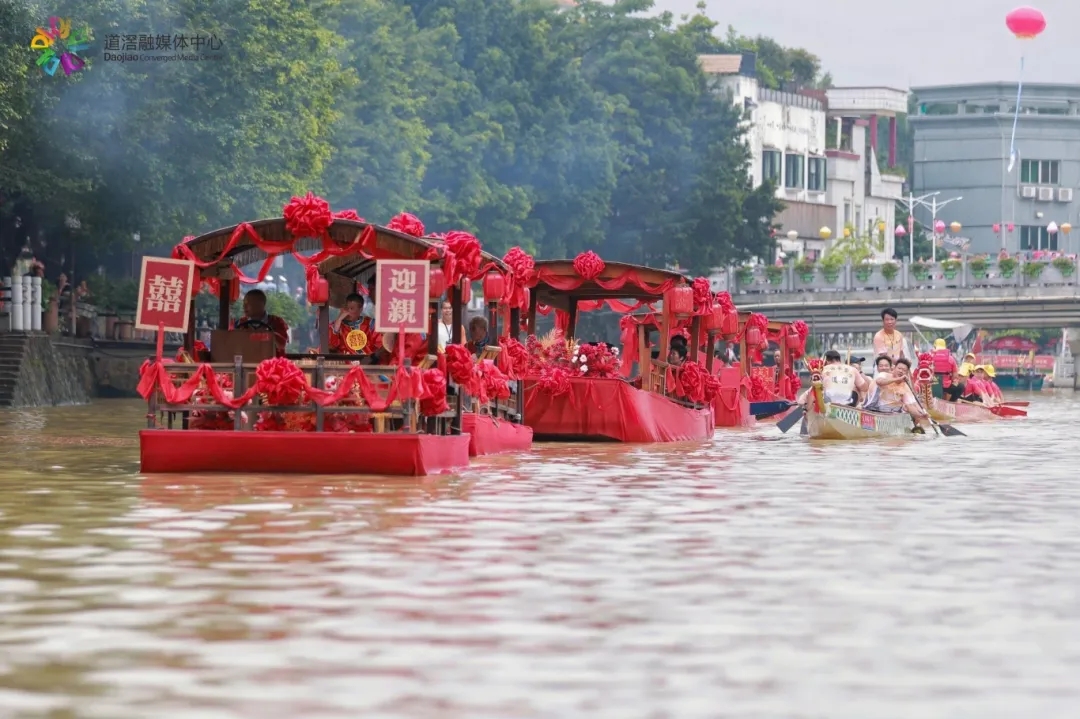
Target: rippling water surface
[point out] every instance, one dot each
(756, 576)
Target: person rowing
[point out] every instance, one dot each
(980, 389)
(841, 383)
(891, 393)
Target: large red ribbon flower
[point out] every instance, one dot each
(348, 215)
(407, 224)
(588, 265)
(307, 216)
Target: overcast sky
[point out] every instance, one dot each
(912, 42)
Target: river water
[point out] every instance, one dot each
(756, 576)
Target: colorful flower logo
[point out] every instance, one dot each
(60, 47)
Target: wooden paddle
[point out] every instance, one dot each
(790, 419)
(946, 429)
(1016, 404)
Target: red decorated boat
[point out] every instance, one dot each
(243, 405)
(585, 392)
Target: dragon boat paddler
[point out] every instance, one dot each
(841, 384)
(352, 332)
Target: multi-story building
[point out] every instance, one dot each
(814, 145)
(962, 148)
(864, 196)
(787, 142)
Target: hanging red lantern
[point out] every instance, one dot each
(714, 320)
(318, 290)
(437, 283)
(1026, 23)
(679, 300)
(466, 292)
(795, 342)
(753, 336)
(494, 287)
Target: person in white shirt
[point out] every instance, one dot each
(892, 393)
(841, 383)
(446, 324)
(888, 341)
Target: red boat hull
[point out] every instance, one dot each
(612, 410)
(193, 450)
(731, 408)
(488, 436)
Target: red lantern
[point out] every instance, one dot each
(753, 337)
(494, 287)
(1026, 23)
(679, 300)
(795, 342)
(466, 292)
(318, 290)
(437, 284)
(730, 328)
(714, 321)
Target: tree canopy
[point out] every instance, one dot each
(527, 123)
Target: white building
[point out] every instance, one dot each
(787, 140)
(864, 197)
(817, 147)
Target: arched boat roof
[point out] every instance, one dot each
(590, 290)
(208, 247)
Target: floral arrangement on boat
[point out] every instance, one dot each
(553, 350)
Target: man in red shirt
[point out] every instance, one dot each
(352, 332)
(257, 318)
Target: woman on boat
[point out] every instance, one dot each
(981, 389)
(995, 391)
(967, 367)
(446, 326)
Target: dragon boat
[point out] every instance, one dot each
(829, 421)
(941, 410)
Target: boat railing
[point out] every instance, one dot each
(398, 415)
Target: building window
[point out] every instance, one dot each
(1039, 172)
(793, 171)
(1035, 237)
(772, 164)
(815, 174)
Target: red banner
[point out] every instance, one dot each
(165, 289)
(1011, 362)
(401, 295)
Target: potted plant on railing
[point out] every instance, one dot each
(831, 266)
(102, 297)
(127, 302)
(805, 269)
(744, 275)
(890, 270)
(950, 268)
(978, 267)
(1032, 270)
(774, 274)
(920, 270)
(1064, 265)
(1007, 266)
(863, 270)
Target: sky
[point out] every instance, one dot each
(910, 43)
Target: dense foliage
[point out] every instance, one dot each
(557, 129)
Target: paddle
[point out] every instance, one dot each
(1004, 410)
(946, 429)
(1016, 404)
(791, 419)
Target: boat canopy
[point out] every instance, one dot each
(960, 330)
(558, 283)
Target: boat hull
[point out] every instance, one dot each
(194, 451)
(490, 436)
(611, 410)
(850, 423)
(944, 411)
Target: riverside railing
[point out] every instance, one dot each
(1019, 273)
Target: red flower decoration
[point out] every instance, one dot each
(407, 224)
(554, 381)
(759, 392)
(434, 399)
(280, 380)
(514, 359)
(466, 251)
(307, 216)
(702, 294)
(521, 264)
(600, 360)
(460, 365)
(802, 328)
(494, 381)
(691, 381)
(724, 300)
(349, 215)
(588, 265)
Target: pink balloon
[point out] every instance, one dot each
(997, 228)
(1026, 22)
(939, 226)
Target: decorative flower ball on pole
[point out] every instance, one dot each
(939, 227)
(955, 227)
(997, 229)
(881, 226)
(847, 233)
(900, 231)
(824, 233)
(1026, 23)
(793, 235)
(1052, 228)
(1065, 228)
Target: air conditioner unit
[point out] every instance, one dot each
(1027, 192)
(1065, 194)
(1046, 194)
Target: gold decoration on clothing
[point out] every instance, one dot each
(356, 340)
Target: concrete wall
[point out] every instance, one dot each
(968, 155)
(53, 374)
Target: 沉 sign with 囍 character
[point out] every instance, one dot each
(165, 290)
(401, 295)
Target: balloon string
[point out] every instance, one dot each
(1016, 116)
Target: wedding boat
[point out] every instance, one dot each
(565, 400)
(241, 406)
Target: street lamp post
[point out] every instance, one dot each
(934, 207)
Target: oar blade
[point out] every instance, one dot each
(949, 431)
(790, 420)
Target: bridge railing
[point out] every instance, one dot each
(900, 276)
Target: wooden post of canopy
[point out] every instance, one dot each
(456, 338)
(225, 290)
(571, 323)
(433, 327)
(514, 330)
(710, 359)
(531, 318)
(644, 357)
(695, 337)
(493, 322)
(324, 328)
(664, 343)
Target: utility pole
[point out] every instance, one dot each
(934, 207)
(911, 202)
